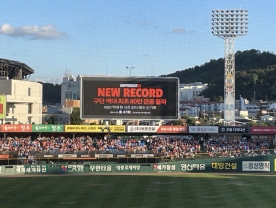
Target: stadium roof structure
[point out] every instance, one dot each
(14, 70)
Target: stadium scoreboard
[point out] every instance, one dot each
(130, 98)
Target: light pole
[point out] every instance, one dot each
(130, 68)
(228, 25)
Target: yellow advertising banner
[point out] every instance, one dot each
(95, 128)
(3, 104)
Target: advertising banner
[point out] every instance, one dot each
(172, 129)
(25, 169)
(95, 128)
(72, 168)
(16, 128)
(100, 168)
(203, 129)
(3, 104)
(132, 98)
(127, 168)
(67, 155)
(164, 167)
(142, 129)
(263, 129)
(193, 167)
(233, 129)
(157, 129)
(224, 165)
(47, 128)
(4, 156)
(255, 165)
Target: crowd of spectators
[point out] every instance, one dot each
(231, 146)
(162, 146)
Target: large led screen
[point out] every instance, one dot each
(130, 98)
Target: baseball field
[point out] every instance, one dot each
(139, 191)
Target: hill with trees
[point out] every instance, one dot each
(255, 72)
(51, 93)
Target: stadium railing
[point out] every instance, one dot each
(10, 157)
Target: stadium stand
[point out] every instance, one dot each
(168, 147)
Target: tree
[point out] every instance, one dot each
(176, 122)
(253, 123)
(51, 93)
(190, 121)
(51, 120)
(75, 116)
(218, 98)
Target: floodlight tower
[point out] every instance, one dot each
(130, 69)
(228, 25)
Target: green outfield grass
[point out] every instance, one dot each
(139, 191)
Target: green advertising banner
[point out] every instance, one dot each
(237, 164)
(115, 168)
(31, 169)
(47, 128)
(100, 168)
(71, 168)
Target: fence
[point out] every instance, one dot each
(12, 158)
(257, 164)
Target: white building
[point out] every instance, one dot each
(188, 91)
(60, 114)
(24, 101)
(191, 109)
(267, 118)
(70, 88)
(190, 103)
(244, 104)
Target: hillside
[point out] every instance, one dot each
(255, 71)
(51, 93)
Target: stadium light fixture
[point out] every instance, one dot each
(130, 69)
(228, 25)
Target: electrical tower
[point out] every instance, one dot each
(228, 25)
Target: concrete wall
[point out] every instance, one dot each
(24, 101)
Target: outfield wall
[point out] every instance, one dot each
(257, 164)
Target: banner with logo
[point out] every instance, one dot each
(255, 165)
(157, 129)
(142, 129)
(16, 128)
(95, 128)
(233, 129)
(47, 128)
(263, 129)
(203, 129)
(172, 129)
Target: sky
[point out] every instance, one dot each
(104, 37)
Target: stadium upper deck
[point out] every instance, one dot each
(14, 69)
